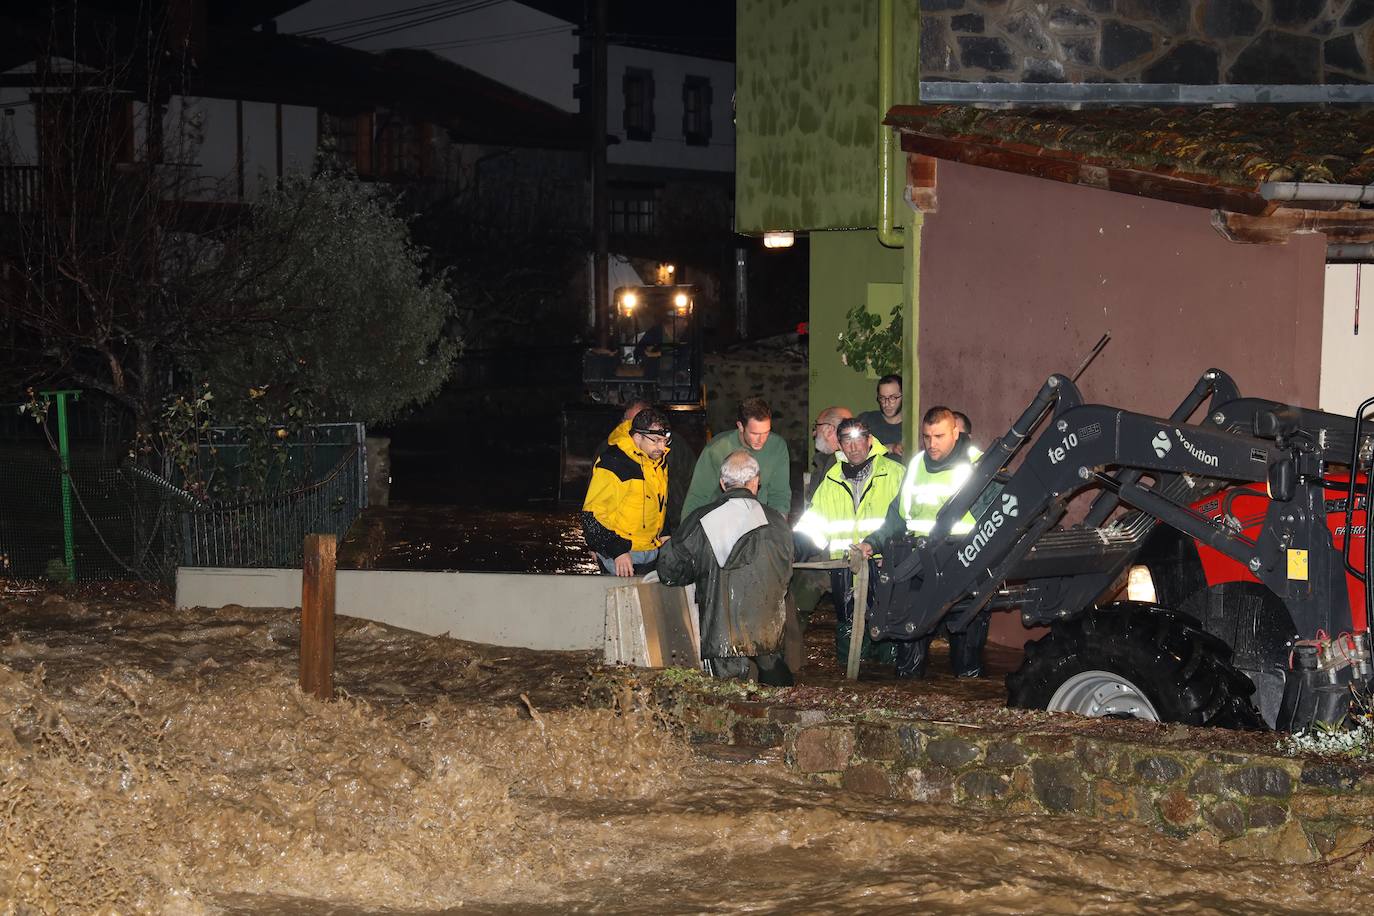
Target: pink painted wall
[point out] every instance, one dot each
(1021, 276)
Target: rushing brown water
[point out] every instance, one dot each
(161, 761)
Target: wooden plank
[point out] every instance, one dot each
(317, 616)
(1057, 165)
(1352, 225)
(859, 564)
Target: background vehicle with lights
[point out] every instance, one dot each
(654, 355)
(1246, 600)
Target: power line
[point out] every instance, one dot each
(381, 17)
(500, 38)
(412, 23)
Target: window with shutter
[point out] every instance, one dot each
(696, 110)
(638, 85)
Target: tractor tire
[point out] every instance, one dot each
(1132, 660)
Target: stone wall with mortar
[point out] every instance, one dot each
(1256, 805)
(777, 376)
(1190, 42)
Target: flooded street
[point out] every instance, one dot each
(161, 761)
(474, 539)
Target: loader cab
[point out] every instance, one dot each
(654, 355)
(654, 352)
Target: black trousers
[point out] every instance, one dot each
(908, 654)
(965, 650)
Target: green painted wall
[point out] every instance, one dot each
(806, 111)
(843, 264)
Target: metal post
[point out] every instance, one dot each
(741, 292)
(64, 455)
(600, 205)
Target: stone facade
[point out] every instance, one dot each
(1187, 42)
(777, 375)
(1259, 806)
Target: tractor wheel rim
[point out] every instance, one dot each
(1102, 693)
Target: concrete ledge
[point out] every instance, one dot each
(1257, 805)
(502, 609)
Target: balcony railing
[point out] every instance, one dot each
(18, 188)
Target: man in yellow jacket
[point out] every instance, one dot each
(622, 515)
(850, 504)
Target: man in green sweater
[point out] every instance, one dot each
(753, 425)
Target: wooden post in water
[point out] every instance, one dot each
(858, 564)
(317, 616)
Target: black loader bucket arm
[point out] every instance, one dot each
(1083, 446)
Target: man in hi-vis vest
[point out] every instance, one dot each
(934, 475)
(850, 502)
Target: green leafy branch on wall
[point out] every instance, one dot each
(866, 345)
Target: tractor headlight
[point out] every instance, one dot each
(1140, 586)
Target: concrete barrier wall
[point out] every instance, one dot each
(503, 609)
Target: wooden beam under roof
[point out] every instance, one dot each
(1351, 226)
(1052, 165)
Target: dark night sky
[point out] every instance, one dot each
(702, 27)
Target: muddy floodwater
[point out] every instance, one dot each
(161, 761)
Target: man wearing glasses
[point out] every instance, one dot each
(622, 515)
(827, 445)
(886, 422)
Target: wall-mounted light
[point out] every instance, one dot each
(778, 239)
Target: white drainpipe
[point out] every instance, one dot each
(1316, 190)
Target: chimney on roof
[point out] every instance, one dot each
(187, 28)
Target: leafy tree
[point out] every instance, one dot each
(361, 329)
(867, 345)
(128, 274)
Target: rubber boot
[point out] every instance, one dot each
(911, 657)
(773, 671)
(966, 648)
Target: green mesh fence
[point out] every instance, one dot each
(126, 522)
(121, 526)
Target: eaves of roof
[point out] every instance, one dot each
(1208, 157)
(255, 66)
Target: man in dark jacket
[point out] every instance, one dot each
(738, 552)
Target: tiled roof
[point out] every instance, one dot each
(1233, 147)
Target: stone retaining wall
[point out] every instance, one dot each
(1260, 806)
(1198, 42)
(780, 378)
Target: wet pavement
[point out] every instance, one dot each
(468, 538)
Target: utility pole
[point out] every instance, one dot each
(600, 233)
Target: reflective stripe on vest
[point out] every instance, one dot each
(923, 493)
